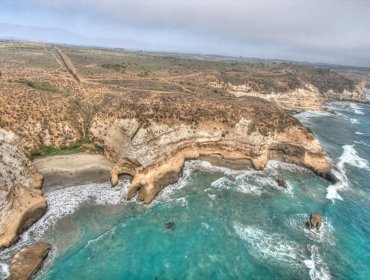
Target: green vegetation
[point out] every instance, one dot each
(37, 85)
(81, 145)
(115, 67)
(83, 109)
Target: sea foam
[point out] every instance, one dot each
(348, 157)
(350, 107)
(63, 202)
(351, 157)
(318, 269)
(4, 271)
(276, 249)
(324, 235)
(306, 116)
(248, 180)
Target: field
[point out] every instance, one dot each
(50, 94)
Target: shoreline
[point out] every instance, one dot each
(73, 169)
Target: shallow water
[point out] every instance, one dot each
(225, 224)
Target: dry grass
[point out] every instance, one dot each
(43, 101)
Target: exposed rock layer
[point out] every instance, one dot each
(155, 153)
(28, 261)
(306, 97)
(21, 200)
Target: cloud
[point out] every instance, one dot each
(334, 31)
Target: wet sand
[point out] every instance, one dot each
(74, 169)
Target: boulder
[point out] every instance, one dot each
(28, 261)
(281, 182)
(315, 221)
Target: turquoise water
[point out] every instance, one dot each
(216, 223)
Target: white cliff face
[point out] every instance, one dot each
(305, 98)
(21, 200)
(154, 154)
(357, 95)
(298, 99)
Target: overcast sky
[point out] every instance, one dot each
(331, 31)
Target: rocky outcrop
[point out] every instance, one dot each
(315, 221)
(28, 261)
(346, 95)
(306, 97)
(154, 153)
(296, 99)
(21, 200)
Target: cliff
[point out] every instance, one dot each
(292, 87)
(21, 200)
(153, 152)
(305, 97)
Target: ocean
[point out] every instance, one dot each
(216, 223)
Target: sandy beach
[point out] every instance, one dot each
(74, 169)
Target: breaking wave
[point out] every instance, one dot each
(348, 157)
(246, 181)
(4, 271)
(65, 201)
(305, 117)
(324, 235)
(318, 269)
(62, 202)
(350, 107)
(342, 184)
(276, 249)
(351, 157)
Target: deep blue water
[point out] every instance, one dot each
(227, 224)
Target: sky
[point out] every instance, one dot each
(327, 31)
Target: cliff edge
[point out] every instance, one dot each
(21, 200)
(154, 151)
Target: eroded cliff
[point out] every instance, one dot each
(292, 87)
(21, 200)
(306, 97)
(153, 152)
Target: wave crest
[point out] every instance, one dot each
(278, 250)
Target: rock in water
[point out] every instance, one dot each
(28, 261)
(315, 221)
(281, 182)
(170, 225)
